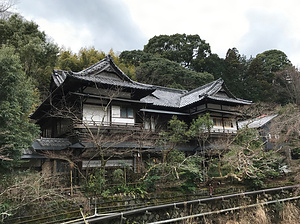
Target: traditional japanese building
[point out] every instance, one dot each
(100, 108)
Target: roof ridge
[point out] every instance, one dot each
(110, 63)
(171, 89)
(94, 65)
(212, 84)
(218, 81)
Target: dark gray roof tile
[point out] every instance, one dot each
(51, 144)
(179, 98)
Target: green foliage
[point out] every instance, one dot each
(118, 176)
(180, 172)
(212, 64)
(163, 72)
(168, 61)
(17, 98)
(200, 128)
(87, 57)
(180, 48)
(176, 133)
(37, 53)
(177, 129)
(153, 177)
(190, 170)
(137, 190)
(96, 182)
(260, 76)
(248, 138)
(249, 161)
(234, 72)
(77, 62)
(135, 57)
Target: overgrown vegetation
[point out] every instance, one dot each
(27, 57)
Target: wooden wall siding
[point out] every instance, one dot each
(110, 163)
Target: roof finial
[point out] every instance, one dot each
(109, 57)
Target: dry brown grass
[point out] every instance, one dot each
(257, 215)
(290, 214)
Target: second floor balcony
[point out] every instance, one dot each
(104, 125)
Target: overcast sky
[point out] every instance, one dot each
(251, 26)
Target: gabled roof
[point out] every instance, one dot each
(104, 72)
(258, 122)
(216, 91)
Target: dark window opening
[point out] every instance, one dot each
(126, 112)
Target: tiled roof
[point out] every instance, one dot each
(111, 81)
(179, 98)
(51, 143)
(256, 122)
(104, 72)
(166, 97)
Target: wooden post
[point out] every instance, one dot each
(71, 177)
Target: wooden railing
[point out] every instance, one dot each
(109, 125)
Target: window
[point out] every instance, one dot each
(219, 122)
(95, 114)
(228, 123)
(126, 112)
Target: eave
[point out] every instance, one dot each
(85, 95)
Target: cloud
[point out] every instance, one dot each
(251, 26)
(76, 23)
(267, 30)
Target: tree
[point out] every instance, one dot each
(288, 82)
(171, 61)
(181, 48)
(68, 61)
(5, 5)
(36, 52)
(212, 64)
(234, 72)
(163, 72)
(17, 100)
(86, 57)
(260, 76)
(135, 57)
(175, 169)
(200, 130)
(248, 161)
(176, 133)
(285, 131)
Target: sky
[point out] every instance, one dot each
(250, 26)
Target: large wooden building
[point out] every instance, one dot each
(102, 108)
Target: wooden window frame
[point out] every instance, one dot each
(223, 122)
(126, 111)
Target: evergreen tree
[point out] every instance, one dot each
(37, 53)
(163, 72)
(187, 50)
(17, 98)
(234, 72)
(260, 77)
